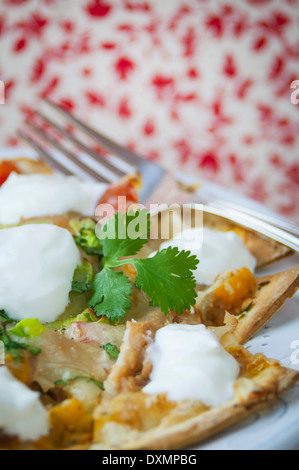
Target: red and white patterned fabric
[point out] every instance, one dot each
(200, 86)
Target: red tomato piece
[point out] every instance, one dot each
(127, 186)
(6, 168)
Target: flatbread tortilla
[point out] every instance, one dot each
(272, 292)
(127, 418)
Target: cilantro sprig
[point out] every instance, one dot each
(166, 278)
(111, 294)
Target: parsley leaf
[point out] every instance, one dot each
(111, 292)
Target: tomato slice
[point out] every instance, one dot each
(6, 168)
(127, 187)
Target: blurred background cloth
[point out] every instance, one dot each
(202, 87)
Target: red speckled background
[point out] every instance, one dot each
(202, 87)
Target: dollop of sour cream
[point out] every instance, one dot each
(189, 362)
(21, 412)
(37, 195)
(216, 251)
(37, 262)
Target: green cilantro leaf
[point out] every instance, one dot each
(124, 234)
(167, 279)
(111, 294)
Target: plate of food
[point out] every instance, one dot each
(112, 339)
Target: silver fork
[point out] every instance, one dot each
(159, 186)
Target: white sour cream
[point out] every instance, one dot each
(216, 251)
(37, 195)
(21, 412)
(189, 362)
(37, 264)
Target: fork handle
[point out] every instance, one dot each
(169, 192)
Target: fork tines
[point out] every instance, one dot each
(45, 135)
(91, 162)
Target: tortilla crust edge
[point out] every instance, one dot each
(209, 423)
(280, 286)
(261, 381)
